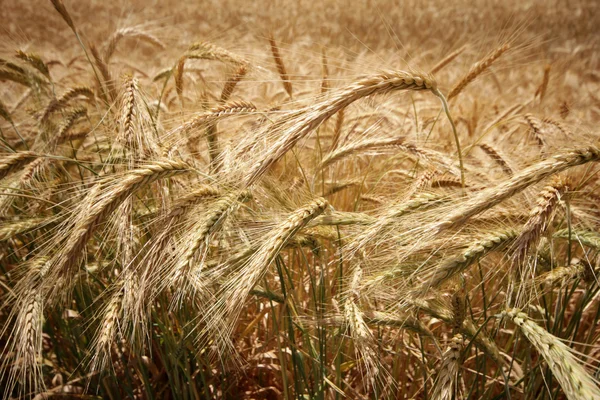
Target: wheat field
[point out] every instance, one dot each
(300, 200)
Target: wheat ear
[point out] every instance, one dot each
(477, 70)
(529, 176)
(15, 161)
(497, 157)
(99, 204)
(241, 283)
(576, 383)
(358, 147)
(446, 383)
(285, 79)
(307, 121)
(456, 265)
(232, 82)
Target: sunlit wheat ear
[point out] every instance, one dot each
(285, 79)
(302, 123)
(476, 70)
(8, 230)
(12, 162)
(488, 198)
(446, 384)
(574, 380)
(69, 120)
(233, 294)
(497, 157)
(101, 201)
(362, 337)
(203, 51)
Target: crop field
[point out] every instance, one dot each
(282, 199)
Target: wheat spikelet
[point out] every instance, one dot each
(343, 218)
(586, 238)
(15, 76)
(25, 345)
(107, 330)
(239, 285)
(563, 129)
(128, 110)
(186, 264)
(69, 120)
(213, 115)
(208, 51)
(476, 70)
(576, 383)
(285, 79)
(446, 383)
(179, 69)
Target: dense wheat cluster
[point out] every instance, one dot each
(338, 200)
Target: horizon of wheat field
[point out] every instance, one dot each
(300, 200)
